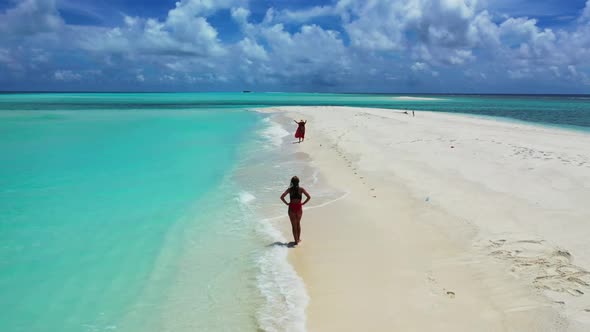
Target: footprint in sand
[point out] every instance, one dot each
(434, 287)
(548, 268)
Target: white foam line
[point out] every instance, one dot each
(312, 207)
(315, 176)
(329, 202)
(280, 285)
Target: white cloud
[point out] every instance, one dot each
(167, 78)
(572, 70)
(519, 73)
(66, 76)
(419, 66)
(585, 17)
(310, 56)
(309, 47)
(240, 15)
(305, 15)
(376, 40)
(379, 25)
(39, 56)
(19, 58)
(459, 57)
(30, 17)
(184, 32)
(5, 56)
(252, 50)
(202, 7)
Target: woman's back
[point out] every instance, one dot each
(295, 193)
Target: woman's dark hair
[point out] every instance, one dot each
(294, 187)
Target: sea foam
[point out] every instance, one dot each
(283, 291)
(274, 132)
(245, 197)
(285, 297)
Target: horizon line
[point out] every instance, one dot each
(298, 92)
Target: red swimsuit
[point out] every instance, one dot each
(296, 207)
(300, 133)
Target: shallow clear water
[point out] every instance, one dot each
(88, 199)
(145, 212)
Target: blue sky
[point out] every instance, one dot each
(448, 46)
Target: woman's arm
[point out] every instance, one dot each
(283, 197)
(296, 121)
(307, 196)
(305, 121)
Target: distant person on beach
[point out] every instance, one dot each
(295, 206)
(413, 114)
(300, 133)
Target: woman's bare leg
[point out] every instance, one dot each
(294, 225)
(298, 221)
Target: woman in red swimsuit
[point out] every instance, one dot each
(300, 133)
(295, 206)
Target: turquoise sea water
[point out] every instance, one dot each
(142, 212)
(559, 110)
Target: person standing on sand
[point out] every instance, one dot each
(295, 210)
(300, 133)
(413, 114)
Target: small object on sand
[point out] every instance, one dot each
(452, 146)
(374, 196)
(427, 199)
(451, 294)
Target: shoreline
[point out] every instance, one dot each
(422, 247)
(508, 120)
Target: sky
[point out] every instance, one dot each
(387, 46)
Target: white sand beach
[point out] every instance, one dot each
(451, 223)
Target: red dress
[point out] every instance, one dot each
(300, 133)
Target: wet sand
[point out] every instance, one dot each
(450, 223)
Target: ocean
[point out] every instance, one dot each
(151, 212)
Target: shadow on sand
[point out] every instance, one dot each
(283, 244)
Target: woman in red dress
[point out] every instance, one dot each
(300, 133)
(295, 206)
